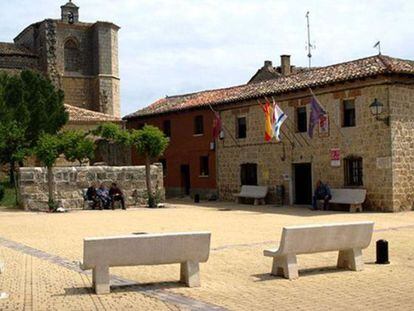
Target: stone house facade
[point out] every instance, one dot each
(353, 148)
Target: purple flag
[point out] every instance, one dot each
(316, 113)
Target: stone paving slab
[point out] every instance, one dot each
(236, 276)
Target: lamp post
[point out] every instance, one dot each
(377, 109)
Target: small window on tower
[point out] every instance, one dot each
(167, 128)
(348, 109)
(241, 127)
(198, 125)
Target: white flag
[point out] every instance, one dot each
(279, 117)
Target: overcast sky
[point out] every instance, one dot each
(170, 47)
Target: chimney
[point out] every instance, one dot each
(268, 63)
(285, 65)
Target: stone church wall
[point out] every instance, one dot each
(70, 181)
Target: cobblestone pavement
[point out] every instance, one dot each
(40, 253)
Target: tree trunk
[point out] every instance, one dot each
(148, 180)
(16, 189)
(12, 173)
(51, 187)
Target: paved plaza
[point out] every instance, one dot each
(41, 253)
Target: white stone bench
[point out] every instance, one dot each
(347, 238)
(188, 249)
(2, 295)
(353, 197)
(258, 193)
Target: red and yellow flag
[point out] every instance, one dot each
(268, 111)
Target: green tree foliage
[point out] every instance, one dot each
(113, 133)
(77, 146)
(151, 143)
(30, 103)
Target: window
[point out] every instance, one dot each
(241, 127)
(348, 113)
(140, 126)
(301, 121)
(353, 171)
(198, 125)
(248, 174)
(204, 169)
(167, 128)
(72, 56)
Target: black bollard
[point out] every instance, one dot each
(197, 198)
(382, 252)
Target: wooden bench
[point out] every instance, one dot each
(188, 249)
(353, 197)
(347, 238)
(258, 193)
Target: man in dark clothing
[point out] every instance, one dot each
(92, 196)
(116, 195)
(103, 195)
(322, 192)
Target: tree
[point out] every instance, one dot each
(77, 146)
(30, 102)
(49, 148)
(151, 143)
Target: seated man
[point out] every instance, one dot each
(91, 195)
(322, 192)
(103, 195)
(116, 195)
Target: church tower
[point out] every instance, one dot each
(70, 13)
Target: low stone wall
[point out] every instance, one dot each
(71, 180)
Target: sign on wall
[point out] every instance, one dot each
(324, 126)
(335, 157)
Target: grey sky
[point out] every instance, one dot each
(170, 47)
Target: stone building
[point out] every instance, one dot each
(353, 148)
(79, 58)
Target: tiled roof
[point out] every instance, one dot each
(14, 49)
(85, 115)
(357, 69)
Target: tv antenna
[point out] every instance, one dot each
(378, 46)
(309, 45)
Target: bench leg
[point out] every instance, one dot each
(285, 266)
(190, 273)
(100, 280)
(355, 208)
(351, 259)
(256, 201)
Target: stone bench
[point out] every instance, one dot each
(347, 238)
(258, 193)
(187, 249)
(2, 295)
(353, 197)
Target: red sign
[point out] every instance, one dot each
(335, 157)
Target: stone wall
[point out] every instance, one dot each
(369, 139)
(71, 180)
(402, 133)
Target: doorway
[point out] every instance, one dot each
(303, 183)
(185, 179)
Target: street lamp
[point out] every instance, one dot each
(376, 110)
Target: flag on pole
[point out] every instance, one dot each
(279, 117)
(316, 113)
(217, 125)
(268, 111)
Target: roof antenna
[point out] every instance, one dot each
(309, 45)
(378, 45)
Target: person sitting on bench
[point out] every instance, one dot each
(103, 195)
(92, 196)
(116, 195)
(322, 192)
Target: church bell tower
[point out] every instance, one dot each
(70, 13)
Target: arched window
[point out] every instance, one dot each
(71, 56)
